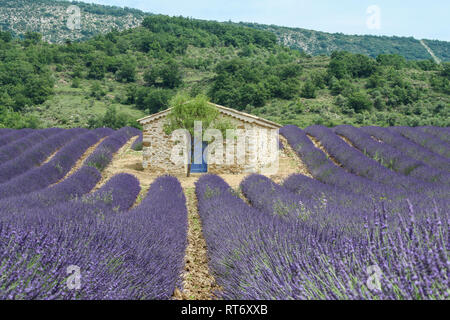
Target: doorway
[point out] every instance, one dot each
(203, 166)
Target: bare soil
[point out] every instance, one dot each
(81, 160)
(114, 167)
(198, 282)
(376, 139)
(289, 159)
(50, 157)
(318, 145)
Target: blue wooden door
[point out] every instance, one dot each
(197, 154)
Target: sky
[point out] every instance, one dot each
(420, 19)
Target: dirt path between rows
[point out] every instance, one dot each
(318, 145)
(109, 171)
(80, 161)
(198, 282)
(295, 161)
(50, 157)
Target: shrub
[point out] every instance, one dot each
(309, 90)
(359, 101)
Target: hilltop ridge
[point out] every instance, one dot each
(49, 17)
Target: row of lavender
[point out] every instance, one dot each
(360, 171)
(250, 248)
(260, 254)
(53, 224)
(390, 173)
(41, 182)
(365, 229)
(400, 174)
(436, 140)
(400, 161)
(134, 254)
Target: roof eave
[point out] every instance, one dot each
(225, 110)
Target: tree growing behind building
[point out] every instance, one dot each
(186, 110)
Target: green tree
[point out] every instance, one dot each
(171, 74)
(393, 60)
(446, 70)
(290, 70)
(97, 66)
(111, 119)
(345, 65)
(97, 91)
(153, 99)
(166, 74)
(375, 81)
(359, 101)
(16, 120)
(32, 38)
(186, 110)
(76, 83)
(151, 76)
(39, 88)
(309, 90)
(252, 94)
(131, 94)
(126, 72)
(6, 36)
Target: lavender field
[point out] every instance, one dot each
(370, 221)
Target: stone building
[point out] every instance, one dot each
(251, 146)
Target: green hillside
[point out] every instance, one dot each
(50, 17)
(115, 78)
(440, 48)
(317, 43)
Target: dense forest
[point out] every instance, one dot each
(440, 48)
(115, 78)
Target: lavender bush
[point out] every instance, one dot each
(326, 171)
(103, 154)
(323, 212)
(52, 171)
(357, 163)
(78, 184)
(410, 148)
(13, 135)
(133, 255)
(119, 193)
(424, 139)
(37, 154)
(29, 141)
(5, 131)
(137, 144)
(441, 133)
(257, 255)
(391, 157)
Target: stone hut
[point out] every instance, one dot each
(251, 146)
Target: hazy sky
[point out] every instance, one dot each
(421, 19)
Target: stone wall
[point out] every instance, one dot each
(157, 149)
